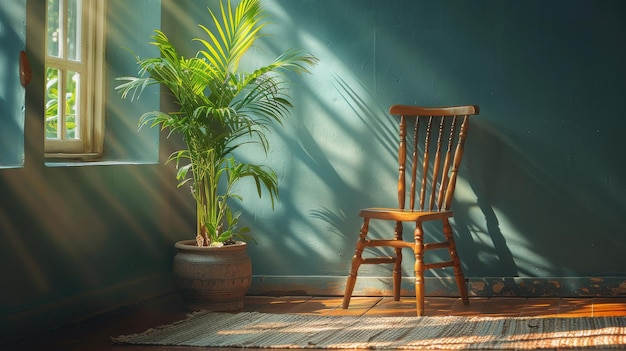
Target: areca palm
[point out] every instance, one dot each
(220, 109)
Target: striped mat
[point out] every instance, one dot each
(263, 330)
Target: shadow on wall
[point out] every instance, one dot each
(323, 182)
(526, 220)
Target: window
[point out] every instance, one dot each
(74, 122)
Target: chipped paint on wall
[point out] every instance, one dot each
(478, 287)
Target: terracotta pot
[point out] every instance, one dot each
(212, 278)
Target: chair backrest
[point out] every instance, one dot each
(436, 141)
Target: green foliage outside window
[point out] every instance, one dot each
(52, 105)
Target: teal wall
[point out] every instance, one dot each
(539, 204)
(13, 39)
(540, 199)
(79, 241)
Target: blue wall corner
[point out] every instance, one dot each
(12, 94)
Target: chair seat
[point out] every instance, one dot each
(395, 214)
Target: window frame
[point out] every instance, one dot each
(92, 85)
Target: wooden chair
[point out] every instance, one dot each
(437, 143)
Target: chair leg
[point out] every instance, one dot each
(458, 272)
(357, 259)
(397, 267)
(419, 268)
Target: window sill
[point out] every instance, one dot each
(81, 163)
(81, 157)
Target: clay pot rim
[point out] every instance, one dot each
(191, 245)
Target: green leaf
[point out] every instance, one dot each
(219, 109)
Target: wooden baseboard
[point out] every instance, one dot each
(443, 286)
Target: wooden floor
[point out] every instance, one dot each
(94, 335)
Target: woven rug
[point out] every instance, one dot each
(263, 330)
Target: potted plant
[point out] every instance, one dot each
(221, 109)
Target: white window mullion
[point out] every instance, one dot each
(81, 112)
(96, 64)
(71, 65)
(62, 104)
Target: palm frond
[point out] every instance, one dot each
(220, 110)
